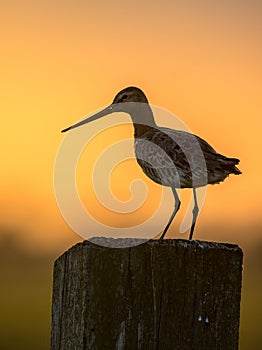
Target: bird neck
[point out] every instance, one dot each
(143, 118)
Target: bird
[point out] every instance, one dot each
(169, 157)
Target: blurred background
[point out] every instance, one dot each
(61, 60)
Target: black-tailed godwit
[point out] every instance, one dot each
(168, 157)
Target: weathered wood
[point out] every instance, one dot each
(170, 294)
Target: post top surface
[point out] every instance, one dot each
(102, 243)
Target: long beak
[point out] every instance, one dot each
(107, 110)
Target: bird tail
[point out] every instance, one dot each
(231, 165)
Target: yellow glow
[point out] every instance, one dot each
(62, 61)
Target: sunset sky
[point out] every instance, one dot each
(63, 60)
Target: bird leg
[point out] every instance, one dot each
(195, 213)
(177, 206)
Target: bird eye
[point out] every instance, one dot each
(124, 97)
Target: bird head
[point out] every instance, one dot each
(130, 94)
(125, 101)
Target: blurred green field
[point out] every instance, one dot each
(251, 303)
(25, 299)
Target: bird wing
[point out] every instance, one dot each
(173, 150)
(184, 155)
(168, 148)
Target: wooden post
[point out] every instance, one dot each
(170, 294)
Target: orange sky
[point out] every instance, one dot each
(60, 61)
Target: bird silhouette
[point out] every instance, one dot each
(173, 158)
